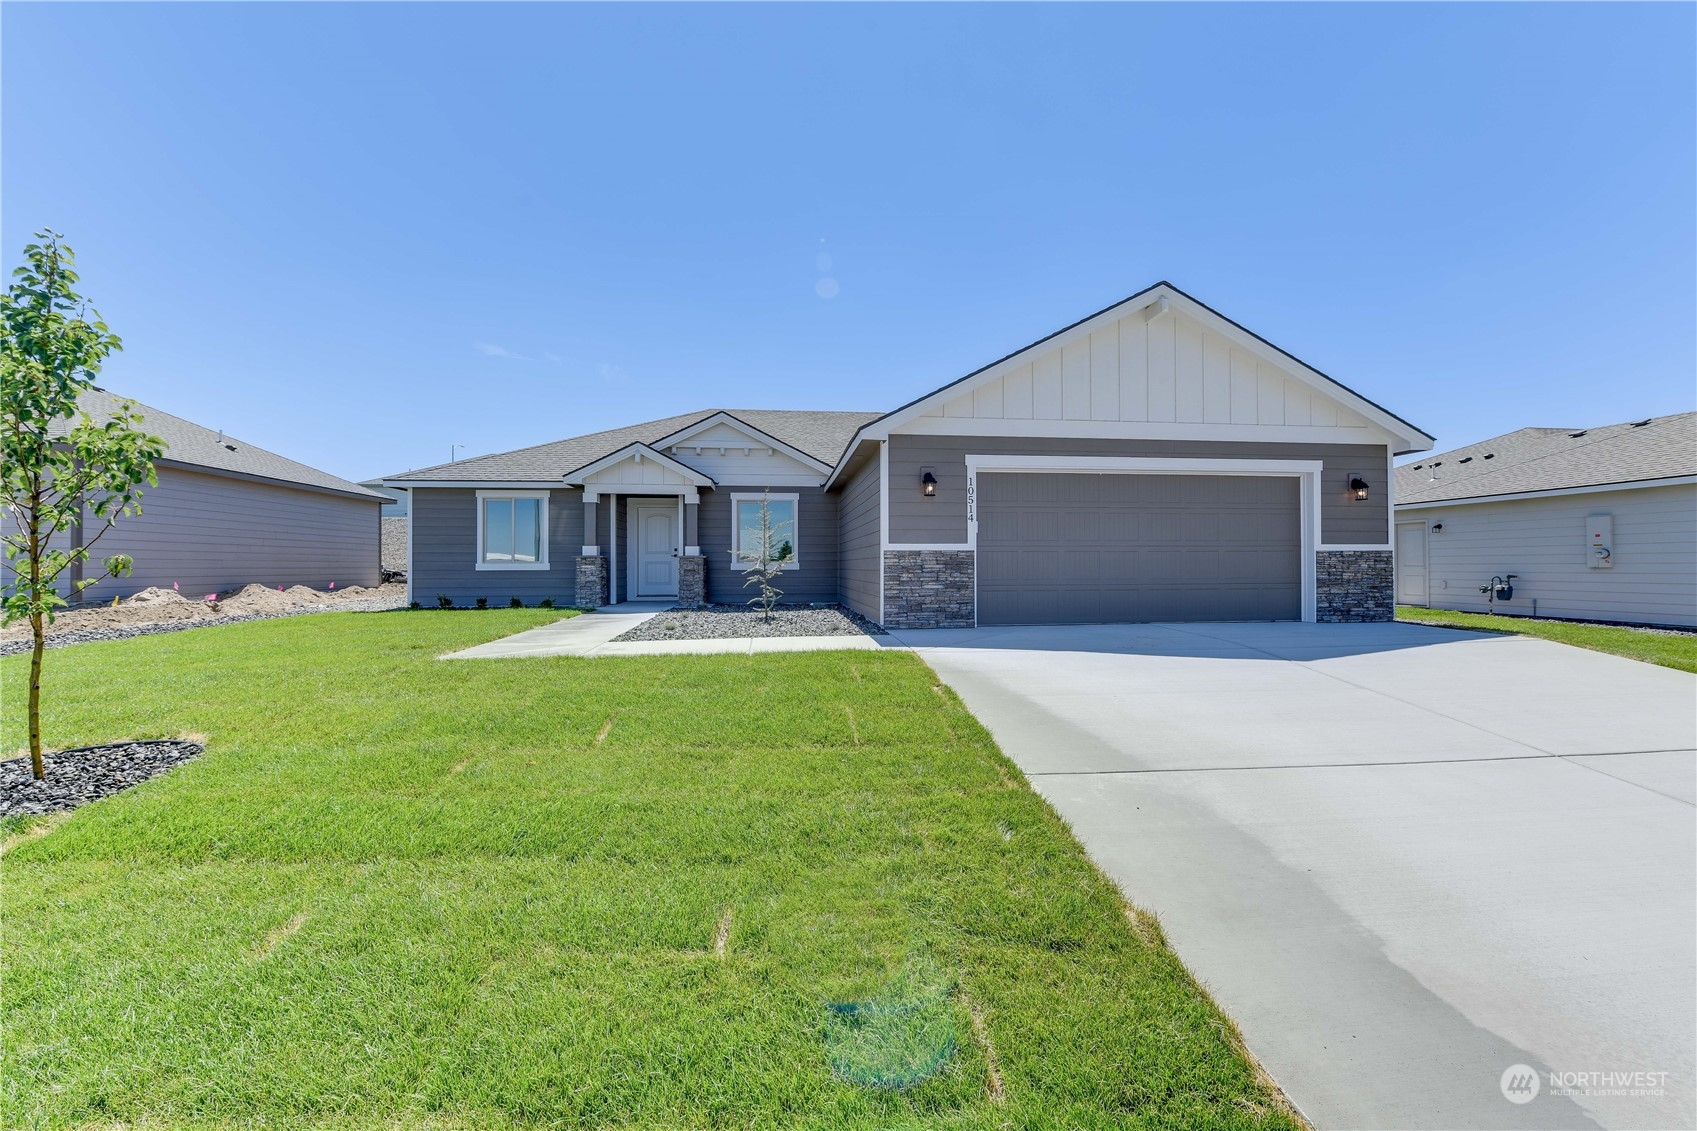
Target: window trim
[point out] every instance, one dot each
(740, 497)
(477, 549)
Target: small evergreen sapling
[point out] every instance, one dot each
(771, 551)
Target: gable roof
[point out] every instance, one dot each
(1553, 459)
(819, 435)
(637, 451)
(190, 445)
(1158, 297)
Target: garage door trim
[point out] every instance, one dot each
(1307, 471)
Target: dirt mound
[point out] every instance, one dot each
(303, 595)
(354, 593)
(256, 598)
(153, 595)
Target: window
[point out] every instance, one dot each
(512, 530)
(745, 525)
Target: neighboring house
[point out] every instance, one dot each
(394, 498)
(1591, 523)
(394, 554)
(227, 514)
(1155, 461)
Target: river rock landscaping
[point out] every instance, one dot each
(76, 777)
(725, 622)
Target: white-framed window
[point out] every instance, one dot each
(512, 530)
(785, 511)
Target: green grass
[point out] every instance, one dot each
(1670, 650)
(398, 892)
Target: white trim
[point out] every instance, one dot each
(768, 440)
(634, 506)
(884, 528)
(1409, 438)
(736, 527)
(1145, 430)
(491, 484)
(591, 552)
(636, 452)
(1323, 548)
(412, 523)
(487, 495)
(1307, 472)
(1594, 489)
(613, 548)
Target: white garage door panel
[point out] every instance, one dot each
(1093, 549)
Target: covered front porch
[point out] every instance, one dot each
(651, 550)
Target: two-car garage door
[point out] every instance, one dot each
(1061, 548)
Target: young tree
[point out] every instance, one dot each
(63, 474)
(771, 552)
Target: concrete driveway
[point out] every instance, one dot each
(1404, 859)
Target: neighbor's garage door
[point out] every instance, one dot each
(1095, 549)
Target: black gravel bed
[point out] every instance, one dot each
(124, 632)
(726, 622)
(87, 773)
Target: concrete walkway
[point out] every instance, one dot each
(1404, 859)
(591, 634)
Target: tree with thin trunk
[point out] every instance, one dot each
(771, 550)
(63, 474)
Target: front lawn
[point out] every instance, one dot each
(398, 892)
(1669, 649)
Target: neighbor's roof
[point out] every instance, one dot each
(189, 444)
(1550, 459)
(822, 435)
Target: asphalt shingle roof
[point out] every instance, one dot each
(822, 435)
(190, 444)
(1549, 459)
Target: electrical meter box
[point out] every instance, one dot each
(1600, 540)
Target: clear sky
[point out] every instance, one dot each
(359, 234)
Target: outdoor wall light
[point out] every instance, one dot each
(928, 482)
(1358, 487)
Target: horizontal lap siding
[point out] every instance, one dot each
(1544, 542)
(210, 533)
(942, 518)
(859, 545)
(816, 548)
(444, 551)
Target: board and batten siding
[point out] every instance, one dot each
(444, 551)
(1170, 370)
(209, 533)
(816, 548)
(859, 552)
(1545, 543)
(941, 518)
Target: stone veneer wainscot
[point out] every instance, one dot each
(591, 582)
(692, 581)
(929, 588)
(1354, 585)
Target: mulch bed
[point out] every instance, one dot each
(725, 622)
(88, 773)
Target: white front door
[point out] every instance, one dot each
(654, 550)
(1411, 585)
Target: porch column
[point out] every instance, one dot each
(692, 567)
(592, 573)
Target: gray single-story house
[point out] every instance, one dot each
(1576, 523)
(1153, 462)
(226, 514)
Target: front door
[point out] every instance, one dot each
(1411, 583)
(654, 558)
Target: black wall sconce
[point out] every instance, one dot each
(928, 482)
(1358, 488)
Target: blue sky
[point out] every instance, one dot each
(359, 234)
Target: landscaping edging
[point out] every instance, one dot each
(87, 773)
(738, 622)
